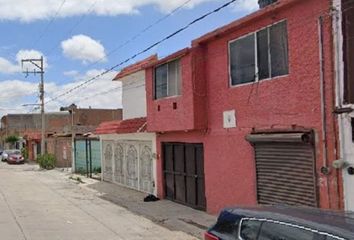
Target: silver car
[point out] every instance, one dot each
(6, 153)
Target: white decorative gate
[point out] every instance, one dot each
(132, 165)
(118, 160)
(146, 169)
(107, 160)
(129, 163)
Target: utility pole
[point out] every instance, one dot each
(39, 69)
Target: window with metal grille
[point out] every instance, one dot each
(167, 80)
(260, 55)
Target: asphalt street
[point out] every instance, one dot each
(36, 205)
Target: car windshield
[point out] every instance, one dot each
(13, 152)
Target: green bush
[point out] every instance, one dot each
(24, 152)
(46, 161)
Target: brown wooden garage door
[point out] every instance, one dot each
(184, 174)
(285, 168)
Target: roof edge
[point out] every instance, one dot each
(135, 67)
(170, 57)
(239, 23)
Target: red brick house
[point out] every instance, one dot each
(245, 115)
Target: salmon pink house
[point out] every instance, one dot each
(245, 115)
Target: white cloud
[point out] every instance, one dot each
(7, 67)
(89, 96)
(16, 92)
(12, 89)
(84, 48)
(13, 93)
(30, 54)
(71, 73)
(32, 10)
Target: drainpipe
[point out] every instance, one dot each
(337, 95)
(324, 168)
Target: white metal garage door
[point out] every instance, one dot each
(131, 163)
(107, 160)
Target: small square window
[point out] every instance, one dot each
(167, 80)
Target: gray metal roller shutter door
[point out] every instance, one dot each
(285, 172)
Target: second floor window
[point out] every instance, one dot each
(260, 55)
(168, 80)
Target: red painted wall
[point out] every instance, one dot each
(190, 111)
(279, 103)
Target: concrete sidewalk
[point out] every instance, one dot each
(166, 213)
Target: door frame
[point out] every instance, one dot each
(344, 118)
(163, 162)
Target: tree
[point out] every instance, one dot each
(12, 139)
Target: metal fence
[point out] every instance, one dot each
(88, 157)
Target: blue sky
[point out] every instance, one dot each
(76, 37)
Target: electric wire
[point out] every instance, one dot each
(136, 36)
(145, 50)
(298, 25)
(39, 38)
(81, 19)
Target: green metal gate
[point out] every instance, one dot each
(87, 156)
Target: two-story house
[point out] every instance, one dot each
(245, 115)
(128, 151)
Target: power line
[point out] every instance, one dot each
(48, 25)
(141, 32)
(82, 18)
(293, 26)
(130, 86)
(145, 50)
(298, 25)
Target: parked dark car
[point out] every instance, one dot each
(14, 157)
(282, 223)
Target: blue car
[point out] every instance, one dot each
(282, 223)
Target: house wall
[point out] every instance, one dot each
(286, 102)
(281, 102)
(134, 95)
(161, 114)
(93, 117)
(60, 147)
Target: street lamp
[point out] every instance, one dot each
(71, 109)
